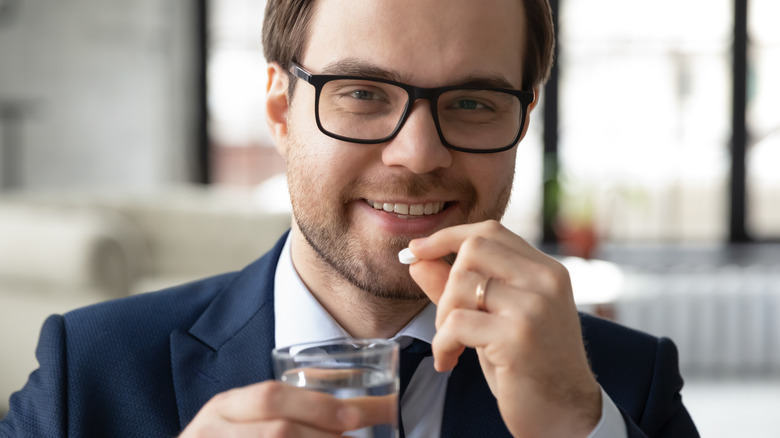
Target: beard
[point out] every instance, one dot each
(369, 261)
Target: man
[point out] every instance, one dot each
(399, 121)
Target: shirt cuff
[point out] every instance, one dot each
(611, 424)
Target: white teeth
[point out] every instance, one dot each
(428, 208)
(401, 208)
(416, 209)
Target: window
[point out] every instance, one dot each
(763, 120)
(645, 118)
(241, 150)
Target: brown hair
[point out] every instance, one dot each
(286, 24)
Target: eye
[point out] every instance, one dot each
(468, 104)
(363, 95)
(472, 100)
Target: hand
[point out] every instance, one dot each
(273, 408)
(528, 338)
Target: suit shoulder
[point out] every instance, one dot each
(94, 359)
(604, 334)
(618, 355)
(631, 365)
(161, 311)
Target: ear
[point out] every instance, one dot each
(277, 106)
(531, 107)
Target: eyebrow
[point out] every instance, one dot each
(354, 67)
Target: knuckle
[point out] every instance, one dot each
(553, 277)
(468, 256)
(474, 243)
(492, 227)
(218, 400)
(460, 286)
(457, 318)
(268, 394)
(461, 276)
(563, 275)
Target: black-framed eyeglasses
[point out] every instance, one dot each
(373, 110)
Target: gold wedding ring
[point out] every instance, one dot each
(481, 292)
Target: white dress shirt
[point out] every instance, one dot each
(299, 318)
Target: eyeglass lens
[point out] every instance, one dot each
(370, 110)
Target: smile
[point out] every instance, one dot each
(426, 209)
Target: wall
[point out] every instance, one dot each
(96, 92)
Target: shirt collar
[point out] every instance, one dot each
(300, 318)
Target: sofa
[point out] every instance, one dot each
(64, 249)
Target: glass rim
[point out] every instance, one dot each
(291, 352)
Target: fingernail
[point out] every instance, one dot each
(407, 257)
(349, 417)
(415, 243)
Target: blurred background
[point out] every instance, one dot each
(134, 155)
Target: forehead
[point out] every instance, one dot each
(424, 42)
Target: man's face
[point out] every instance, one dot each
(335, 186)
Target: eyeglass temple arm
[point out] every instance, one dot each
(300, 73)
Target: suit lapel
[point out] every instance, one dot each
(230, 344)
(470, 409)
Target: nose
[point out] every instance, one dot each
(417, 146)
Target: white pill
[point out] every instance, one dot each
(406, 257)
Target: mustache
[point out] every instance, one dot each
(416, 186)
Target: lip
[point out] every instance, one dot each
(411, 225)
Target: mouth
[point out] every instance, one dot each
(410, 210)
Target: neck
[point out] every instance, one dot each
(361, 314)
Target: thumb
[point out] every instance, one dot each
(431, 276)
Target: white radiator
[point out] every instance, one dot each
(724, 320)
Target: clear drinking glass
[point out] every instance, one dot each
(361, 369)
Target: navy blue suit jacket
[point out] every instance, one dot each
(144, 365)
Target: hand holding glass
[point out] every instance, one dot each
(365, 370)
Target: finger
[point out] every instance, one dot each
(536, 324)
(376, 409)
(206, 425)
(494, 259)
(431, 273)
(267, 428)
(491, 249)
(459, 293)
(465, 328)
(504, 300)
(273, 400)
(431, 276)
(486, 247)
(449, 240)
(442, 242)
(502, 264)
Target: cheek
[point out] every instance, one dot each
(319, 167)
(493, 172)
(327, 164)
(306, 151)
(308, 171)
